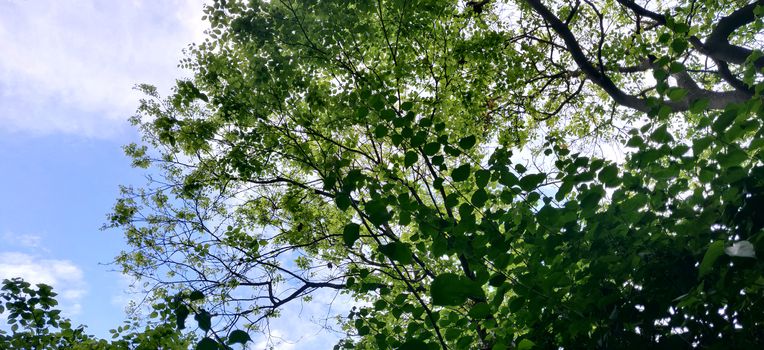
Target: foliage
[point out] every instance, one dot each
(36, 324)
(381, 149)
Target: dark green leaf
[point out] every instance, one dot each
(380, 131)
(480, 311)
(410, 158)
(181, 313)
(431, 148)
(343, 201)
(715, 250)
(207, 344)
(733, 157)
(238, 336)
(377, 211)
(413, 344)
(609, 175)
(449, 289)
(467, 142)
(204, 320)
(351, 233)
(482, 177)
(196, 295)
(461, 173)
(676, 94)
(479, 198)
(530, 182)
(397, 251)
(724, 120)
(525, 344)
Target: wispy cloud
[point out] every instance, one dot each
(307, 325)
(69, 66)
(66, 278)
(21, 240)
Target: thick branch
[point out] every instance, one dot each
(718, 43)
(717, 99)
(591, 72)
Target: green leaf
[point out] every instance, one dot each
(679, 45)
(700, 105)
(181, 313)
(461, 173)
(482, 177)
(724, 120)
(479, 198)
(530, 182)
(681, 28)
(676, 94)
(377, 102)
(451, 151)
(525, 344)
(196, 295)
(701, 144)
(413, 344)
(676, 67)
(207, 344)
(431, 148)
(733, 157)
(380, 131)
(397, 251)
(204, 320)
(508, 179)
(590, 199)
(635, 141)
(480, 311)
(410, 158)
(238, 336)
(467, 142)
(343, 201)
(407, 106)
(609, 175)
(715, 250)
(497, 279)
(661, 135)
(351, 233)
(449, 289)
(377, 211)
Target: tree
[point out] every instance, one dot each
(36, 324)
(380, 149)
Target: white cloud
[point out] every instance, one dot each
(23, 240)
(66, 278)
(129, 294)
(307, 325)
(69, 66)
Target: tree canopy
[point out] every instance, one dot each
(442, 163)
(35, 323)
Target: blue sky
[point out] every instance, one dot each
(67, 70)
